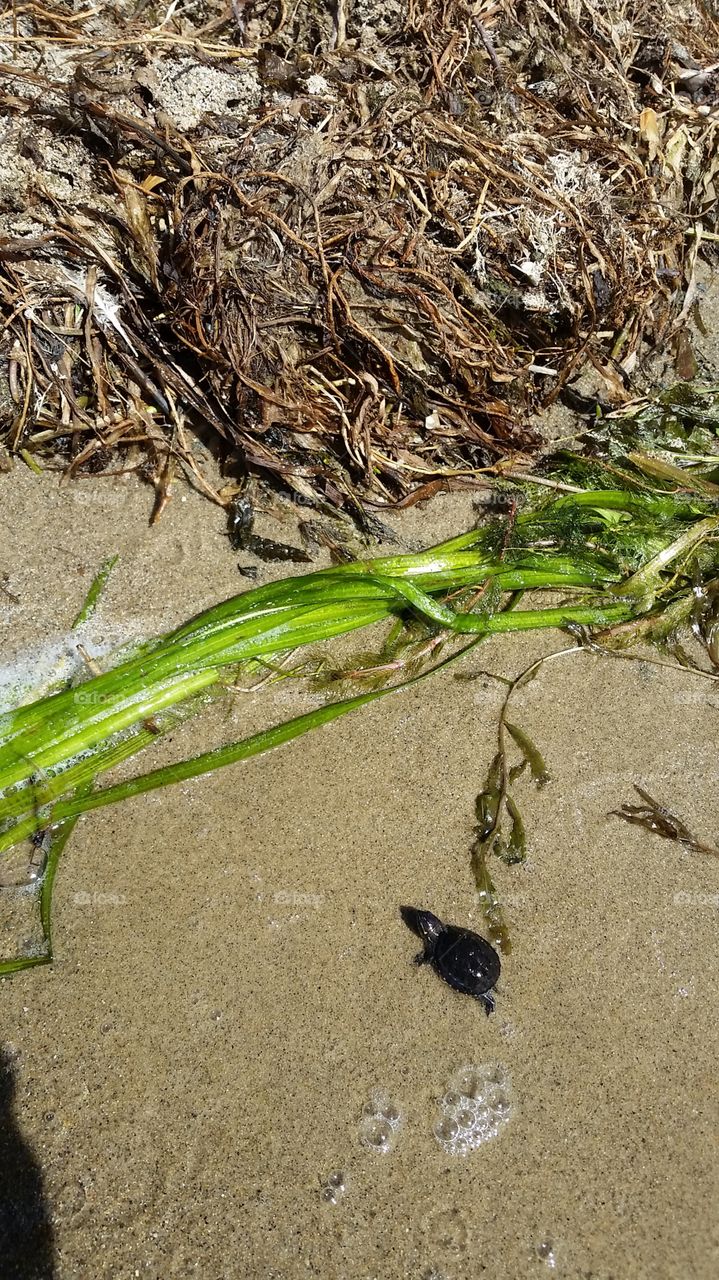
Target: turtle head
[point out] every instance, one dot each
(424, 924)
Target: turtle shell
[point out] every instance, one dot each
(467, 962)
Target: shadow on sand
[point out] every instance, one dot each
(26, 1239)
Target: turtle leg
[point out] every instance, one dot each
(487, 999)
(422, 958)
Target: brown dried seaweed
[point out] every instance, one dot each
(408, 234)
(655, 817)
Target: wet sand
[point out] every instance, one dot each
(232, 979)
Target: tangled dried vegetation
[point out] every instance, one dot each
(363, 241)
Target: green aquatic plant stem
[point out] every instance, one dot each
(579, 546)
(58, 840)
(101, 727)
(257, 744)
(264, 622)
(84, 769)
(668, 506)
(13, 805)
(240, 628)
(643, 584)
(51, 747)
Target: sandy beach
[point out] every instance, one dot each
(233, 993)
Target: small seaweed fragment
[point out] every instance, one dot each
(490, 839)
(487, 895)
(96, 589)
(240, 522)
(268, 549)
(53, 843)
(315, 536)
(517, 843)
(655, 817)
(532, 756)
(705, 618)
(240, 519)
(4, 587)
(498, 799)
(489, 800)
(495, 804)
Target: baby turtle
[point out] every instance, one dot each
(467, 962)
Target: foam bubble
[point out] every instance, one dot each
(333, 1188)
(376, 1134)
(546, 1252)
(380, 1122)
(473, 1109)
(446, 1130)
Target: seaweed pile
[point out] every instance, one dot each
(630, 556)
(359, 243)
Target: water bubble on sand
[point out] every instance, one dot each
(496, 1074)
(380, 1122)
(499, 1103)
(471, 1082)
(446, 1130)
(376, 1134)
(466, 1118)
(546, 1253)
(473, 1109)
(333, 1188)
